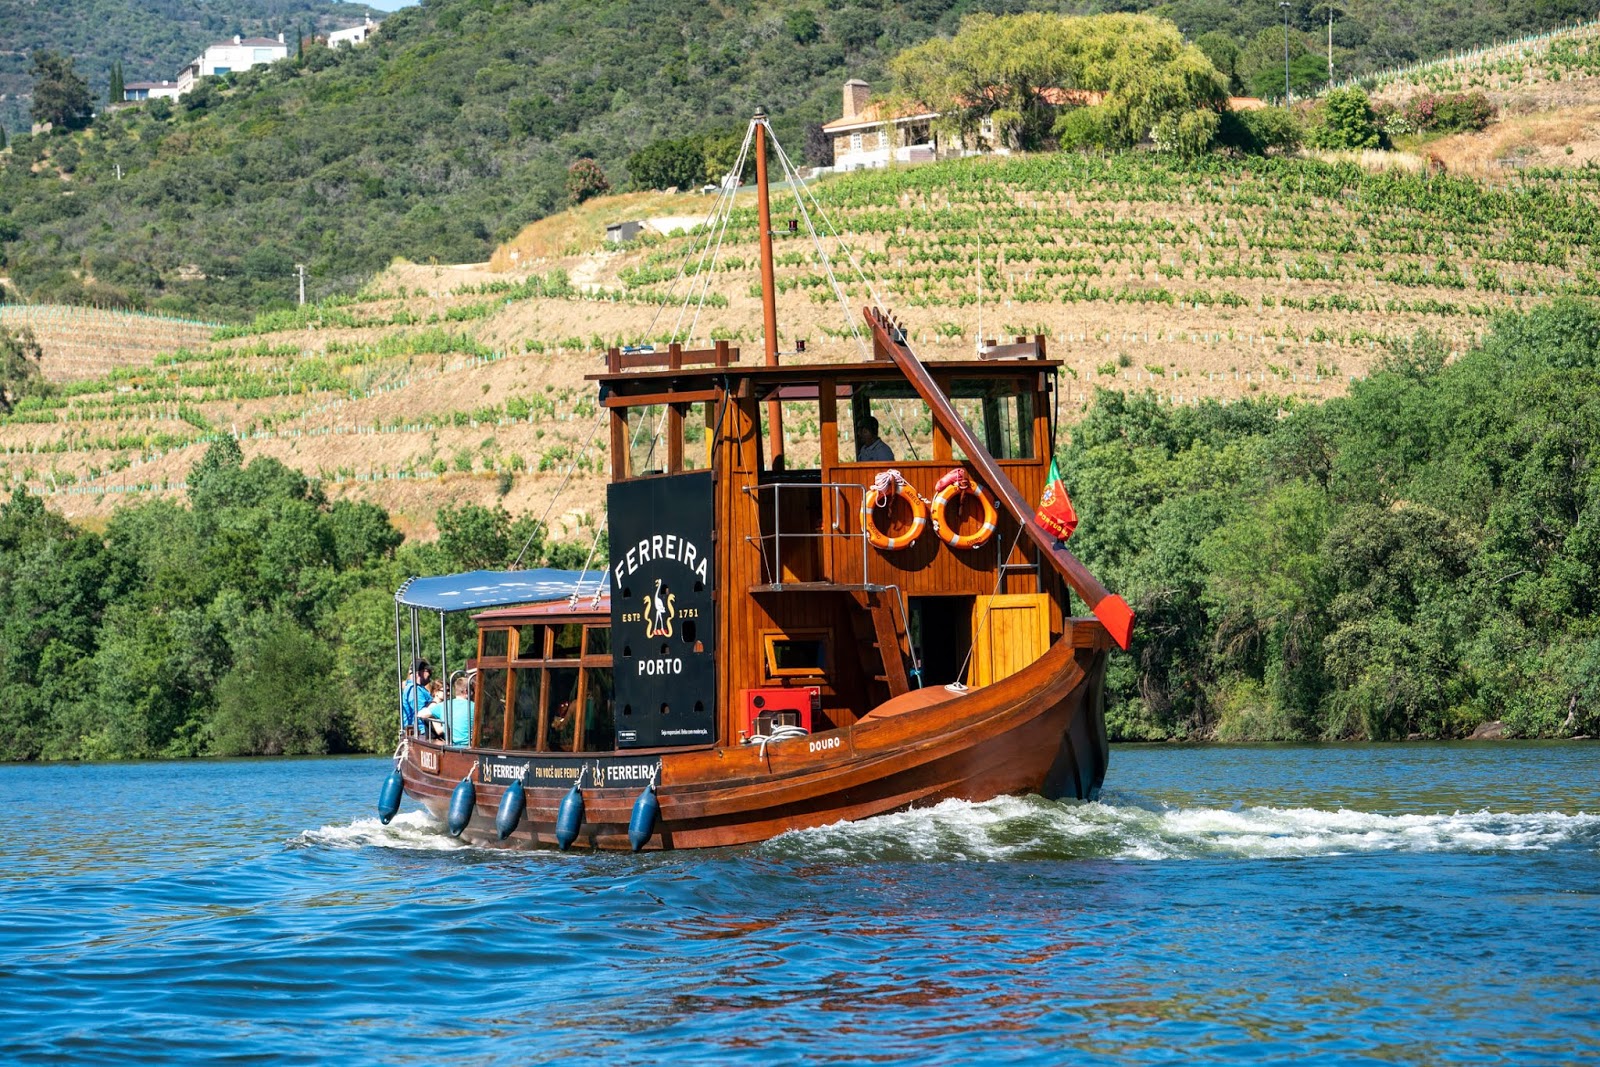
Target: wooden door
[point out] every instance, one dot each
(1010, 631)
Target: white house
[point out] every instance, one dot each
(353, 35)
(241, 53)
(137, 91)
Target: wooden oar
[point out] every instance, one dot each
(1112, 611)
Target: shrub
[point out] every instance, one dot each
(1188, 134)
(585, 179)
(1087, 129)
(1344, 119)
(1261, 131)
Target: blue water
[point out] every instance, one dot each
(1352, 904)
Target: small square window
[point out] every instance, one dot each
(802, 654)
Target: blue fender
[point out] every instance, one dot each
(462, 802)
(569, 816)
(642, 824)
(389, 796)
(510, 811)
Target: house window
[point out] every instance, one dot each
(855, 142)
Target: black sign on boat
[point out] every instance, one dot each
(663, 635)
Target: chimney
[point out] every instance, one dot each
(280, 37)
(856, 93)
(236, 39)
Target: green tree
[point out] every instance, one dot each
(1005, 70)
(1344, 119)
(278, 699)
(117, 89)
(1224, 53)
(60, 96)
(671, 162)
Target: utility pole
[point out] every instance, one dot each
(1330, 44)
(1285, 5)
(301, 268)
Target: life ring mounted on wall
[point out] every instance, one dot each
(885, 488)
(950, 488)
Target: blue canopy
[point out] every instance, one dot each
(494, 589)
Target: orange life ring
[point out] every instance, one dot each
(941, 501)
(869, 523)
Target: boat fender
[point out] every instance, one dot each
(510, 811)
(389, 796)
(569, 816)
(949, 489)
(886, 485)
(642, 824)
(462, 802)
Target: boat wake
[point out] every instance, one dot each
(415, 830)
(1029, 828)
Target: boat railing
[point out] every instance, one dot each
(772, 543)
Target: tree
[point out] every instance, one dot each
(118, 88)
(1260, 64)
(667, 163)
(585, 179)
(1344, 119)
(60, 97)
(1224, 53)
(1008, 70)
(819, 146)
(19, 367)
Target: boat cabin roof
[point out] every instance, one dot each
(584, 611)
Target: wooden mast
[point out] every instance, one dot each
(1112, 611)
(769, 293)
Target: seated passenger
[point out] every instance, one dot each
(414, 695)
(459, 712)
(870, 448)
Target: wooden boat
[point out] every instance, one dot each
(777, 644)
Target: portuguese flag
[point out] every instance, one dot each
(1055, 512)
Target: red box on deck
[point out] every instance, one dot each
(775, 705)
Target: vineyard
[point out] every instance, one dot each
(1563, 55)
(80, 342)
(1222, 279)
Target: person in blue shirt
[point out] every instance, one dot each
(414, 695)
(458, 713)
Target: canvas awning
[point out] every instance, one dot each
(496, 589)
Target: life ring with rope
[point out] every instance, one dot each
(886, 486)
(957, 484)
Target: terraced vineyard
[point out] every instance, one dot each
(1570, 54)
(81, 342)
(1218, 280)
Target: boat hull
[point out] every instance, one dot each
(1042, 730)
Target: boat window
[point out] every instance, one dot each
(530, 642)
(647, 439)
(598, 643)
(1000, 411)
(802, 428)
(567, 641)
(524, 707)
(699, 430)
(563, 703)
(495, 643)
(599, 727)
(492, 709)
(904, 425)
(802, 654)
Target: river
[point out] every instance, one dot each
(1318, 904)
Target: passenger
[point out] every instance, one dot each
(870, 448)
(459, 712)
(414, 694)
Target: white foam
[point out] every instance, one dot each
(408, 830)
(1019, 828)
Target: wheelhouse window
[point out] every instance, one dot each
(670, 438)
(883, 422)
(800, 411)
(1000, 411)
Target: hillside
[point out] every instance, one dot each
(1270, 279)
(455, 130)
(152, 38)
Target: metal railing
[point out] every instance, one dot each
(840, 491)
